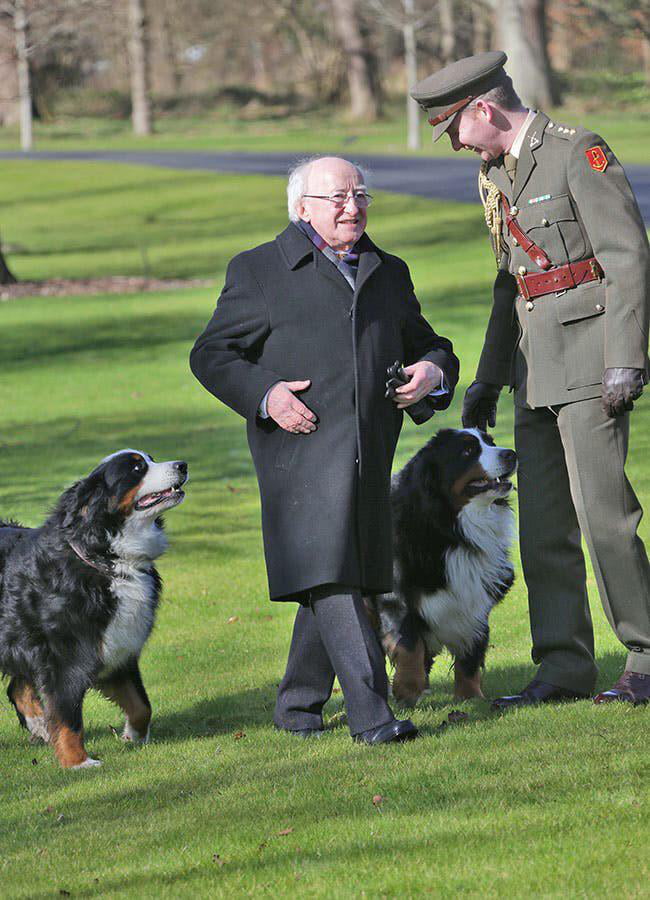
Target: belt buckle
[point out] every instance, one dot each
(595, 269)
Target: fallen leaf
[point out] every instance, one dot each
(239, 735)
(285, 831)
(377, 800)
(233, 619)
(217, 859)
(60, 819)
(34, 762)
(64, 893)
(456, 715)
(336, 691)
(233, 490)
(48, 810)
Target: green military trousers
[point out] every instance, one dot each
(572, 481)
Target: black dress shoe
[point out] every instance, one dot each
(537, 692)
(397, 730)
(631, 687)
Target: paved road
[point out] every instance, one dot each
(446, 179)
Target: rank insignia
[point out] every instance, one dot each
(597, 159)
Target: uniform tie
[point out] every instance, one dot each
(510, 163)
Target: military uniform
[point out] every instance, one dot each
(570, 300)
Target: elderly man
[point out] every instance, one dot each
(569, 334)
(299, 344)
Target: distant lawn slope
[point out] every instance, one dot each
(542, 802)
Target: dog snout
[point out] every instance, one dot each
(509, 458)
(181, 467)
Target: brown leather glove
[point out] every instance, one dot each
(621, 387)
(480, 405)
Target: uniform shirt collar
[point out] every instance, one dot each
(515, 150)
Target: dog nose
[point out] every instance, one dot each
(181, 465)
(508, 456)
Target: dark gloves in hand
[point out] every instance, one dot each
(396, 377)
(621, 387)
(480, 405)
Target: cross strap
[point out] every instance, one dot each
(536, 253)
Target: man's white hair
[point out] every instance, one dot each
(298, 175)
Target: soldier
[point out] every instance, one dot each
(568, 333)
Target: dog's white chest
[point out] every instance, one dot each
(458, 613)
(133, 619)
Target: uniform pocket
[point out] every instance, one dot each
(553, 226)
(580, 312)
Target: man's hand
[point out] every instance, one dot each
(287, 410)
(480, 405)
(621, 387)
(424, 376)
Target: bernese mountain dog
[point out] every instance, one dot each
(78, 598)
(453, 527)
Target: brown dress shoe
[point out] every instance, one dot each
(633, 687)
(537, 692)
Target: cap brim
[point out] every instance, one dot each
(439, 129)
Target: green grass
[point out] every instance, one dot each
(540, 802)
(224, 129)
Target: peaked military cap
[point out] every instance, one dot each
(448, 91)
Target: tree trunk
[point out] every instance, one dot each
(482, 27)
(6, 275)
(522, 26)
(364, 102)
(139, 64)
(22, 69)
(645, 43)
(447, 31)
(411, 65)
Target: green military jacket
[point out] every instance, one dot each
(574, 204)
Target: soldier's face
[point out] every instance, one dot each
(340, 227)
(473, 130)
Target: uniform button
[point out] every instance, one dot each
(514, 210)
(530, 306)
(599, 307)
(545, 223)
(522, 270)
(515, 242)
(357, 461)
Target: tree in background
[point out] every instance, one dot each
(521, 25)
(139, 63)
(362, 86)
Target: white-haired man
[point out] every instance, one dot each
(299, 344)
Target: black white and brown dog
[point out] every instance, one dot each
(78, 598)
(453, 527)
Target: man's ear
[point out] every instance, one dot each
(484, 109)
(302, 212)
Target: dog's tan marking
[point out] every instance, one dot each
(26, 700)
(126, 503)
(476, 473)
(410, 678)
(68, 744)
(466, 687)
(137, 712)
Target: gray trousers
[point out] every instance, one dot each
(572, 481)
(333, 636)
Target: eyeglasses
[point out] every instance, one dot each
(339, 199)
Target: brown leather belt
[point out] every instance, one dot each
(561, 278)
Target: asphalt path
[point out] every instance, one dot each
(440, 179)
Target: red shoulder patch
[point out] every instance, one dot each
(597, 159)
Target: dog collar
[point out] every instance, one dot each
(100, 567)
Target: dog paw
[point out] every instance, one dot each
(88, 763)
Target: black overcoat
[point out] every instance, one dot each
(286, 313)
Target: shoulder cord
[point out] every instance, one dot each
(491, 199)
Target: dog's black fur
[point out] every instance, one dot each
(64, 588)
(452, 528)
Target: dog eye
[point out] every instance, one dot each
(138, 466)
(467, 451)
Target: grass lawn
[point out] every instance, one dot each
(539, 802)
(224, 129)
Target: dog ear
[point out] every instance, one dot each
(80, 504)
